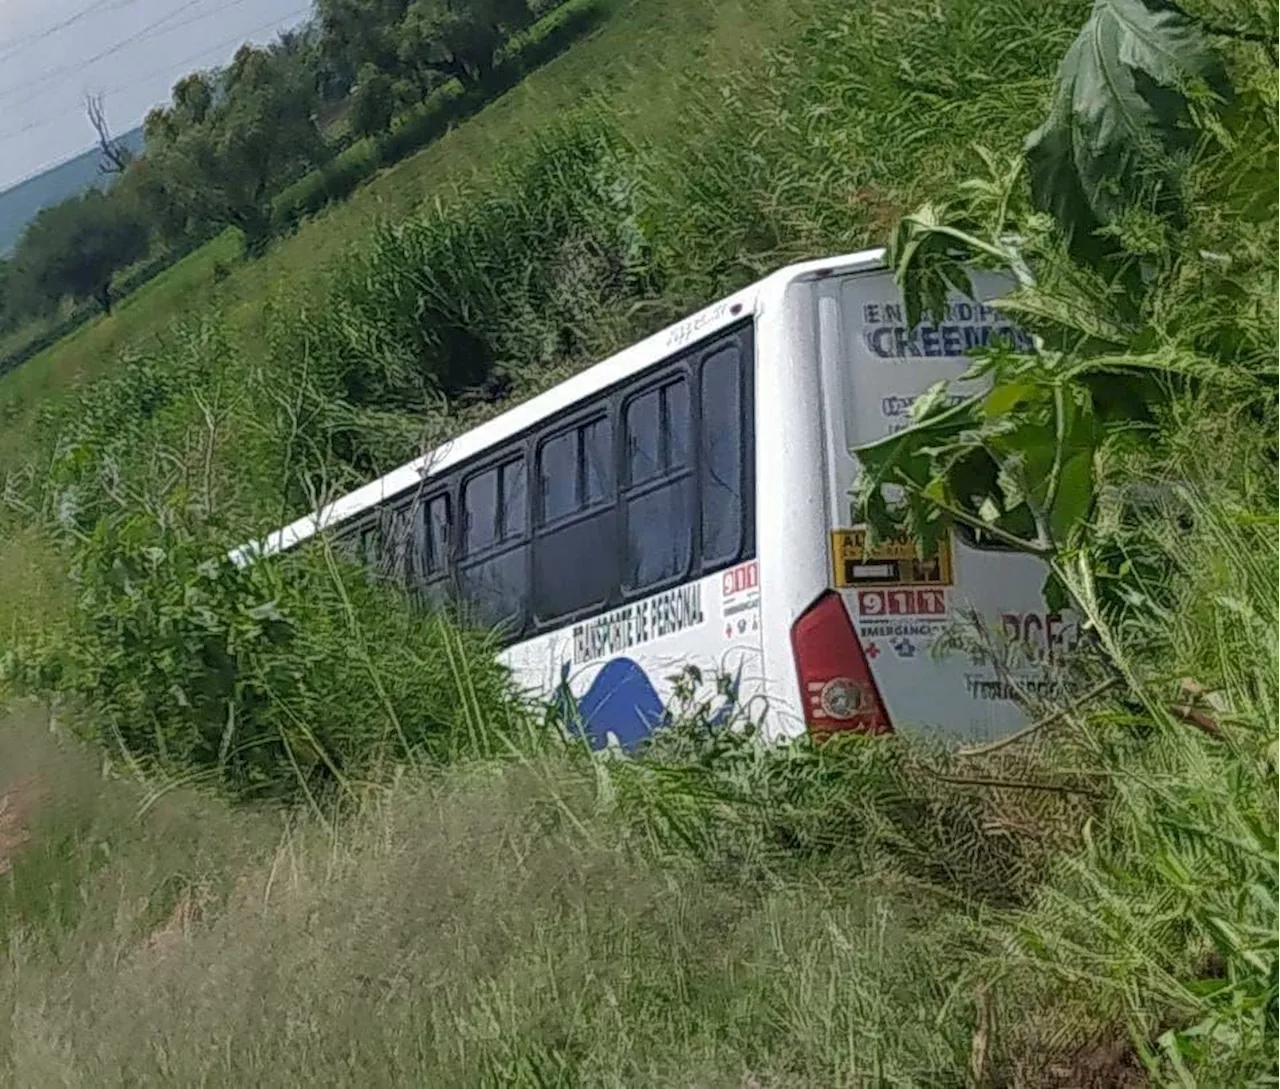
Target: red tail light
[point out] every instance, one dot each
(836, 685)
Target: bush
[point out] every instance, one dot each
(336, 180)
(427, 122)
(279, 680)
(372, 102)
(550, 36)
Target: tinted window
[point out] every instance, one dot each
(480, 512)
(675, 424)
(575, 567)
(494, 507)
(369, 546)
(558, 476)
(659, 536)
(436, 536)
(596, 463)
(575, 562)
(722, 461)
(398, 544)
(495, 512)
(658, 528)
(494, 589)
(514, 517)
(657, 425)
(644, 456)
(576, 470)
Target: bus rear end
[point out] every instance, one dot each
(861, 632)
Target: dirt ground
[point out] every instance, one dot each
(17, 798)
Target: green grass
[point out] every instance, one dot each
(516, 924)
(865, 915)
(144, 314)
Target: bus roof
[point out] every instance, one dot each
(617, 368)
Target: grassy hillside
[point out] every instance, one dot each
(20, 203)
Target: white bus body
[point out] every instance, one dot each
(687, 502)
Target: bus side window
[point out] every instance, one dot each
(657, 511)
(371, 548)
(575, 558)
(436, 525)
(429, 557)
(721, 467)
(398, 538)
(492, 571)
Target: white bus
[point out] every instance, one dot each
(687, 502)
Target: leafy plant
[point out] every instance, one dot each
(1029, 458)
(1121, 118)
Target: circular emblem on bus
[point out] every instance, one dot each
(842, 698)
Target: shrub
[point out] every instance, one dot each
(430, 120)
(279, 680)
(336, 180)
(550, 35)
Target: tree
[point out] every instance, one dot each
(1101, 245)
(459, 37)
(145, 183)
(74, 248)
(218, 155)
(115, 156)
(373, 103)
(359, 32)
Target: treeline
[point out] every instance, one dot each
(274, 136)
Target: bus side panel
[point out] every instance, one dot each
(620, 668)
(873, 367)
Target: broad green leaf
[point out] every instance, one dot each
(1074, 497)
(1119, 113)
(1004, 398)
(927, 254)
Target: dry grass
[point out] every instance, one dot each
(485, 928)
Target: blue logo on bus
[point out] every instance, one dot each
(622, 701)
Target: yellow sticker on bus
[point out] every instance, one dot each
(894, 562)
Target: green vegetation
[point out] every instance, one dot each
(226, 152)
(538, 921)
(342, 788)
(75, 248)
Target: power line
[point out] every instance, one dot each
(151, 30)
(179, 65)
(48, 32)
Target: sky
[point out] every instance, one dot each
(132, 52)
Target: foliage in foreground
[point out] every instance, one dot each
(1150, 287)
(272, 682)
(496, 925)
